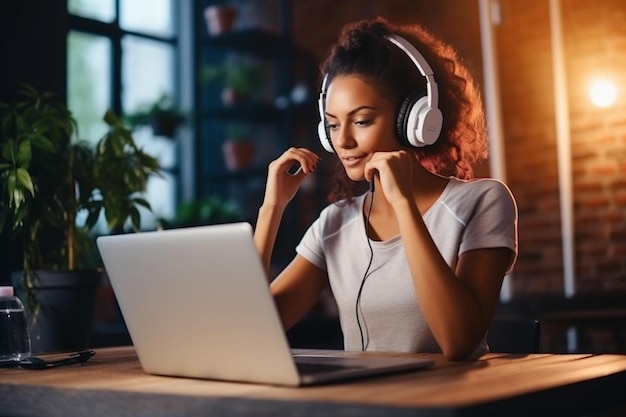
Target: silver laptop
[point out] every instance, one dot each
(197, 304)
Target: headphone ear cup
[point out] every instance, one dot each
(423, 123)
(323, 131)
(429, 125)
(324, 135)
(402, 119)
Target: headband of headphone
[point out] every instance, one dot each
(419, 119)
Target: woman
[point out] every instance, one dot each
(417, 264)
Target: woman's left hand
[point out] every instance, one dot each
(395, 173)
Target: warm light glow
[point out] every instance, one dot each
(602, 93)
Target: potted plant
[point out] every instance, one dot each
(162, 116)
(238, 149)
(240, 79)
(47, 178)
(220, 18)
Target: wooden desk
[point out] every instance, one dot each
(112, 383)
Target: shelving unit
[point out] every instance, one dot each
(273, 119)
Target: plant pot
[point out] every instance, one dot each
(232, 97)
(238, 154)
(164, 126)
(219, 19)
(65, 301)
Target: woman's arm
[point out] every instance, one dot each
(266, 231)
(280, 189)
(300, 284)
(457, 305)
(297, 288)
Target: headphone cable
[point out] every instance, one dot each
(365, 339)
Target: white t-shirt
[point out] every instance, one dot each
(467, 215)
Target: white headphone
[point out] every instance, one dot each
(419, 120)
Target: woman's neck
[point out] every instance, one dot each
(427, 188)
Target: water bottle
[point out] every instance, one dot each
(14, 335)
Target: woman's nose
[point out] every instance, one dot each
(343, 138)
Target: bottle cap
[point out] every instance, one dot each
(6, 291)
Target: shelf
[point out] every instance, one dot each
(257, 112)
(253, 41)
(240, 175)
(280, 121)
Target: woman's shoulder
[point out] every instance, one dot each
(479, 202)
(478, 192)
(479, 186)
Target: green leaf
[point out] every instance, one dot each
(17, 198)
(24, 154)
(92, 218)
(11, 184)
(110, 118)
(135, 218)
(42, 142)
(24, 180)
(142, 202)
(18, 181)
(9, 151)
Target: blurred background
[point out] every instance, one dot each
(242, 75)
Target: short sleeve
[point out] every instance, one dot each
(310, 247)
(493, 222)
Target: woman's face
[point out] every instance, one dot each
(361, 123)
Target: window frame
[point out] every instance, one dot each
(115, 34)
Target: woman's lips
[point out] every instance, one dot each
(350, 161)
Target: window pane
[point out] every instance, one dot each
(161, 194)
(147, 75)
(161, 191)
(89, 82)
(152, 16)
(147, 72)
(103, 10)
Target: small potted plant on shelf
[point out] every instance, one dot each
(238, 149)
(240, 80)
(220, 18)
(47, 179)
(162, 116)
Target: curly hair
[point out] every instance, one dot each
(364, 50)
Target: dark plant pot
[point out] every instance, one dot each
(66, 301)
(164, 126)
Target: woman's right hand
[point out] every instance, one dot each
(282, 185)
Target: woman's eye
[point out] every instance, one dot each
(332, 126)
(363, 122)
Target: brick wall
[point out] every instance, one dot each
(526, 88)
(595, 43)
(594, 40)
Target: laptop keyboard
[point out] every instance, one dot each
(317, 368)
